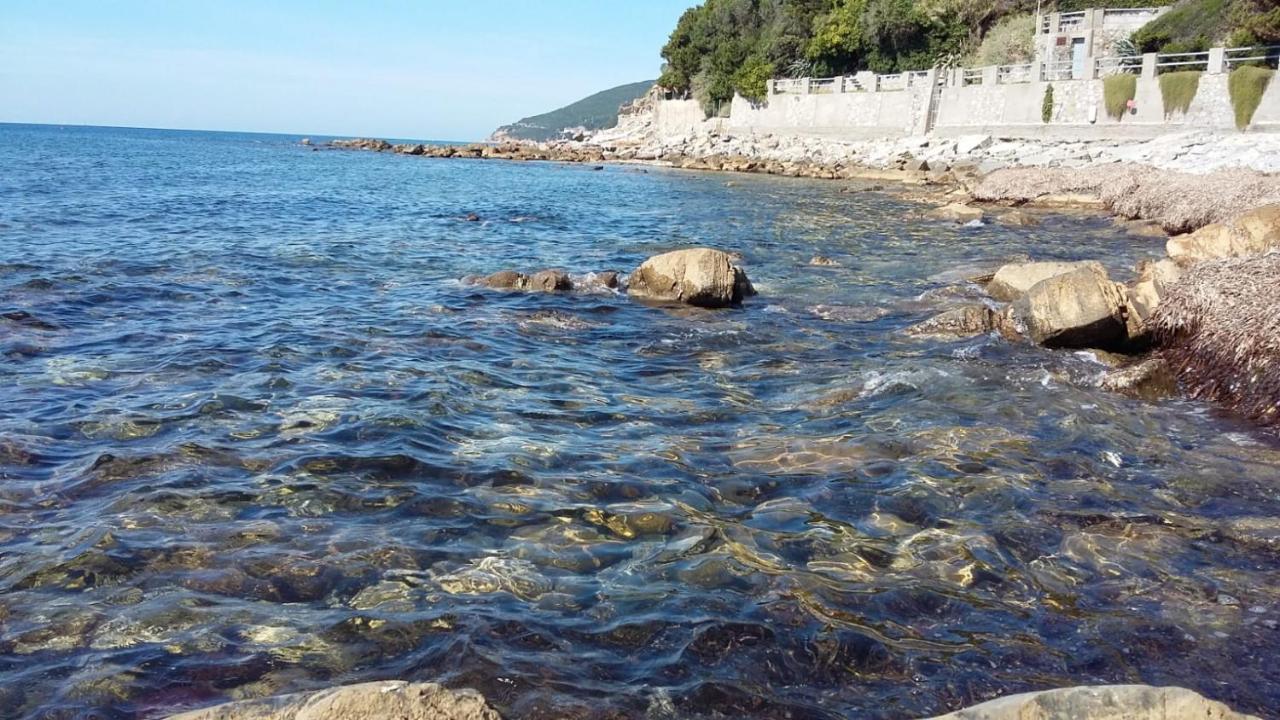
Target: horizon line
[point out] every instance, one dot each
(240, 132)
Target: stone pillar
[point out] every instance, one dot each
(768, 87)
(866, 80)
(808, 86)
(1149, 66)
(1037, 71)
(1054, 19)
(1217, 61)
(990, 75)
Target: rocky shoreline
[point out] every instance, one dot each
(1224, 215)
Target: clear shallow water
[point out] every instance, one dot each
(255, 437)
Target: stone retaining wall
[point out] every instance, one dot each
(1010, 109)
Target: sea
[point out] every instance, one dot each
(260, 434)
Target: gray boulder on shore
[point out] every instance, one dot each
(697, 276)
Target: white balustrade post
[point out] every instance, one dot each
(769, 87)
(1149, 66)
(990, 74)
(1217, 61)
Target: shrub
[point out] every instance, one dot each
(1046, 107)
(1011, 41)
(1117, 91)
(1178, 89)
(751, 80)
(1246, 85)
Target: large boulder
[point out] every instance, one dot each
(391, 699)
(1078, 309)
(1103, 702)
(1012, 282)
(698, 276)
(1252, 233)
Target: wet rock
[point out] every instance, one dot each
(388, 699)
(609, 279)
(1142, 298)
(1013, 281)
(1104, 702)
(361, 144)
(1252, 233)
(823, 261)
(304, 141)
(1018, 218)
(472, 217)
(1144, 228)
(1150, 379)
(957, 213)
(1081, 308)
(506, 280)
(698, 276)
(550, 281)
(961, 322)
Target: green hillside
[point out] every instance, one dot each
(594, 112)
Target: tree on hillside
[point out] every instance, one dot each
(727, 46)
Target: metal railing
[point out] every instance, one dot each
(793, 87)
(1137, 11)
(824, 86)
(1104, 66)
(1268, 56)
(1172, 62)
(897, 81)
(1010, 74)
(1070, 20)
(1059, 70)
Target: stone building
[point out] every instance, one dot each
(1066, 42)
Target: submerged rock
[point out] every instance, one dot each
(1078, 309)
(1018, 218)
(823, 261)
(1104, 702)
(962, 322)
(698, 276)
(957, 213)
(390, 699)
(1150, 379)
(1013, 281)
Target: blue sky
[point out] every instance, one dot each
(392, 68)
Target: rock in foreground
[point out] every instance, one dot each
(1015, 280)
(392, 699)
(698, 276)
(1079, 309)
(1105, 702)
